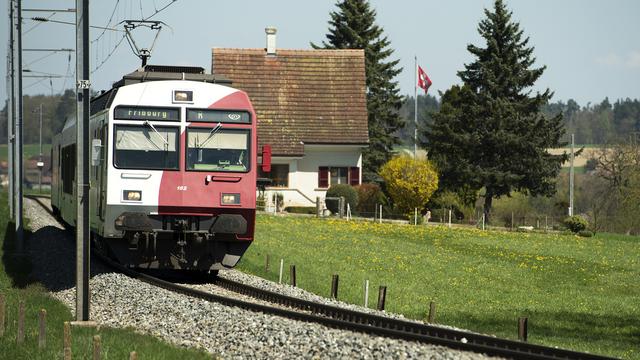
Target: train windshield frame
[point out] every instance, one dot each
(146, 147)
(221, 150)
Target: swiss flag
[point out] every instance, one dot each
(423, 80)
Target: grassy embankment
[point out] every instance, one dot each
(16, 285)
(29, 151)
(578, 293)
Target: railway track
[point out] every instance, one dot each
(357, 321)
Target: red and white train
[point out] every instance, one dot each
(173, 170)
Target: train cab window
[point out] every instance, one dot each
(146, 147)
(216, 149)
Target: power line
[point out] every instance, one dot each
(108, 22)
(54, 50)
(67, 74)
(49, 10)
(158, 11)
(110, 54)
(38, 24)
(42, 19)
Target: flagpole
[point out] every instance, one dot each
(415, 113)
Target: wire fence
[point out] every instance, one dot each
(500, 219)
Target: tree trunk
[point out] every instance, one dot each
(488, 198)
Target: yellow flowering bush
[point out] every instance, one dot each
(410, 182)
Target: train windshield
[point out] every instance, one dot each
(217, 149)
(146, 147)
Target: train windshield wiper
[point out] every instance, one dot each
(211, 134)
(166, 143)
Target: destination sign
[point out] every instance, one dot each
(146, 113)
(221, 116)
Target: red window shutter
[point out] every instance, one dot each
(323, 177)
(354, 176)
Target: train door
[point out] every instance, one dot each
(101, 172)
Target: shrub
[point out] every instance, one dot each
(575, 223)
(410, 182)
(585, 233)
(301, 209)
(342, 190)
(369, 196)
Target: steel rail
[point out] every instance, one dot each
(358, 321)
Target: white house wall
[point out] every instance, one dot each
(303, 172)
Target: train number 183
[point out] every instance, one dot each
(182, 188)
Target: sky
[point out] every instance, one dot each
(591, 48)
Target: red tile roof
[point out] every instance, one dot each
(300, 96)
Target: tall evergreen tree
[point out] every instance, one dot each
(490, 133)
(352, 26)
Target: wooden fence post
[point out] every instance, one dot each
(522, 328)
(20, 334)
(66, 341)
(133, 355)
(2, 311)
(266, 263)
(97, 345)
(382, 297)
(317, 206)
(292, 275)
(366, 293)
(334, 286)
(42, 326)
(512, 218)
(432, 312)
(280, 275)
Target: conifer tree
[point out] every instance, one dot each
(490, 133)
(352, 26)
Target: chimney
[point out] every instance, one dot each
(271, 40)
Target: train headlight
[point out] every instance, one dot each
(230, 199)
(132, 195)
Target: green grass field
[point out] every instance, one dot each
(578, 293)
(16, 284)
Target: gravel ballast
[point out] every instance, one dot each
(230, 332)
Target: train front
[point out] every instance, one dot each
(181, 188)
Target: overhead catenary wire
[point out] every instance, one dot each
(42, 19)
(160, 10)
(115, 8)
(121, 39)
(38, 24)
(110, 54)
(67, 73)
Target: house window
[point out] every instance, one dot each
(338, 175)
(279, 175)
(332, 175)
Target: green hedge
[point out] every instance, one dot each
(301, 209)
(342, 190)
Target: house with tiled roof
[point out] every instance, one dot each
(311, 108)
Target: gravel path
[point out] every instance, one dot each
(120, 301)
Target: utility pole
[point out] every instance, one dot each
(82, 154)
(571, 179)
(11, 108)
(18, 131)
